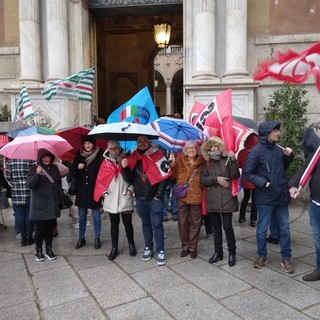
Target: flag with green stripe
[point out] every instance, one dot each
(24, 107)
(78, 86)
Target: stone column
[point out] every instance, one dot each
(236, 39)
(204, 40)
(30, 53)
(57, 39)
(168, 99)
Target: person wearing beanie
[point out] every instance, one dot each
(117, 196)
(85, 169)
(42, 179)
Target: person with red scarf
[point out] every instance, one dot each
(117, 196)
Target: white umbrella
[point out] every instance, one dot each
(123, 131)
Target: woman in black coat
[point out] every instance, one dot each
(85, 168)
(42, 179)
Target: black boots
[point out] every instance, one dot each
(49, 253)
(216, 257)
(113, 254)
(132, 249)
(232, 259)
(97, 243)
(81, 243)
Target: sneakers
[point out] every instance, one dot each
(161, 258)
(39, 256)
(50, 255)
(209, 236)
(260, 262)
(165, 218)
(75, 225)
(88, 223)
(147, 254)
(174, 217)
(313, 276)
(287, 266)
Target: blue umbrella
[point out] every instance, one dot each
(20, 132)
(174, 133)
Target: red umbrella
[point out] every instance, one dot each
(74, 135)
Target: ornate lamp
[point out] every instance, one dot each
(161, 34)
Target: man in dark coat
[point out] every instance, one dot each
(266, 169)
(311, 143)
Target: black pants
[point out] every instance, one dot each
(115, 221)
(43, 232)
(246, 197)
(228, 229)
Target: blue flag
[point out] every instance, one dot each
(139, 109)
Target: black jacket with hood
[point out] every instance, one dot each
(266, 162)
(44, 200)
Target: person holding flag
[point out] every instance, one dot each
(311, 167)
(147, 169)
(266, 167)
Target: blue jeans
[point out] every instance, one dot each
(314, 213)
(174, 209)
(274, 227)
(264, 219)
(96, 214)
(23, 225)
(150, 213)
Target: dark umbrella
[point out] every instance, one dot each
(246, 122)
(6, 126)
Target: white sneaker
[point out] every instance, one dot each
(88, 223)
(75, 225)
(161, 258)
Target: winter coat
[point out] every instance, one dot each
(311, 143)
(16, 174)
(250, 142)
(44, 199)
(182, 171)
(266, 162)
(218, 198)
(115, 199)
(86, 180)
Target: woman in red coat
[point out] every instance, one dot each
(248, 188)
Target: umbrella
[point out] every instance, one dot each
(27, 147)
(174, 133)
(6, 126)
(123, 131)
(21, 132)
(4, 140)
(74, 135)
(246, 122)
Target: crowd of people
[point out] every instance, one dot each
(112, 181)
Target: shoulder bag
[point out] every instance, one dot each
(180, 190)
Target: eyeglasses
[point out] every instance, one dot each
(191, 148)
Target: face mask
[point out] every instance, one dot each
(214, 155)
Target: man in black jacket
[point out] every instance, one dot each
(266, 169)
(147, 170)
(310, 148)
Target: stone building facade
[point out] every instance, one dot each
(222, 42)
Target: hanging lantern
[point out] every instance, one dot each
(162, 34)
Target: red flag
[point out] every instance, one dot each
(292, 66)
(306, 175)
(197, 108)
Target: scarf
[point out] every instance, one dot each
(214, 155)
(89, 156)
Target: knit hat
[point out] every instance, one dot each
(89, 139)
(113, 144)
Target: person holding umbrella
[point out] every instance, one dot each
(85, 168)
(42, 179)
(117, 196)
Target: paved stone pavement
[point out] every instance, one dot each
(84, 284)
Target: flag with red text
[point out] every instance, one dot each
(292, 66)
(77, 87)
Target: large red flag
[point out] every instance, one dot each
(292, 66)
(307, 173)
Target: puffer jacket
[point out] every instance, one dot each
(266, 162)
(218, 198)
(182, 171)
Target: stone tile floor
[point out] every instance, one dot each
(84, 284)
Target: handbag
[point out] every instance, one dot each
(180, 190)
(73, 186)
(64, 201)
